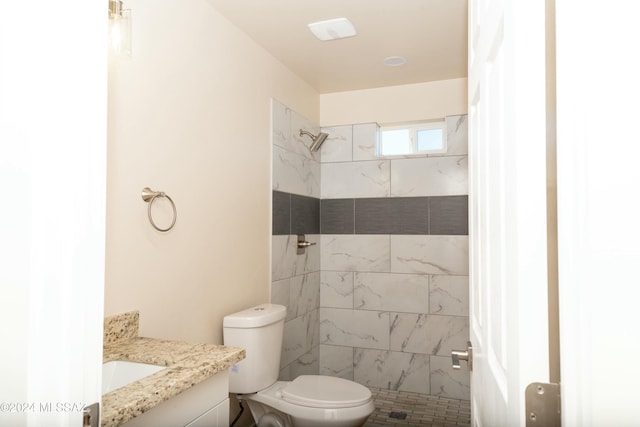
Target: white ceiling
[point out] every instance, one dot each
(430, 34)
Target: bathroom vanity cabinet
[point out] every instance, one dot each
(204, 405)
(191, 391)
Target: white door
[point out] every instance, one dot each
(52, 209)
(598, 211)
(508, 229)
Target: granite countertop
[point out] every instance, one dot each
(187, 365)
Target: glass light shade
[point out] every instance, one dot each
(120, 32)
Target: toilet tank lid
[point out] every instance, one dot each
(261, 315)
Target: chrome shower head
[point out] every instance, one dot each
(316, 140)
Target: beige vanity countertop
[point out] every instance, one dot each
(187, 365)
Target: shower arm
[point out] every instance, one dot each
(306, 132)
(316, 140)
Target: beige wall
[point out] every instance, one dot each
(189, 114)
(393, 104)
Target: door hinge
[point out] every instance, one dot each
(542, 405)
(91, 415)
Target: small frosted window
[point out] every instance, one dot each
(395, 142)
(412, 139)
(429, 139)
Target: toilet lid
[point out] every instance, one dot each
(319, 391)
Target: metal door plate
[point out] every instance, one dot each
(542, 403)
(91, 415)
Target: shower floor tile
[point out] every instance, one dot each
(399, 408)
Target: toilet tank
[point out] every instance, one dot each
(259, 331)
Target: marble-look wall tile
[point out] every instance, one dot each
(307, 364)
(338, 146)
(285, 262)
(310, 260)
(312, 324)
(408, 333)
(294, 341)
(355, 179)
(433, 176)
(302, 144)
(336, 289)
(446, 333)
(457, 136)
(281, 124)
(392, 370)
(449, 295)
(294, 173)
(403, 320)
(447, 382)
(301, 335)
(354, 252)
(430, 254)
(283, 257)
(281, 294)
(285, 374)
(296, 278)
(355, 328)
(336, 361)
(391, 292)
(305, 294)
(365, 141)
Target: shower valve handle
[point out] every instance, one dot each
(302, 244)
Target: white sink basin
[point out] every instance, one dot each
(119, 373)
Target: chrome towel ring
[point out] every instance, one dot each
(148, 195)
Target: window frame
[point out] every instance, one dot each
(413, 129)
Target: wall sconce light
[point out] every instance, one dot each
(119, 28)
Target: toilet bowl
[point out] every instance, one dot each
(308, 400)
(313, 400)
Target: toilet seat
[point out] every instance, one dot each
(319, 391)
(298, 414)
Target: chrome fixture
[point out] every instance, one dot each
(149, 196)
(303, 244)
(316, 140)
(542, 405)
(458, 355)
(119, 28)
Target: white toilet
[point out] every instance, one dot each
(309, 400)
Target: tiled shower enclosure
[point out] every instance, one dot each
(382, 298)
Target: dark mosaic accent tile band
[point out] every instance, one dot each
(392, 215)
(448, 215)
(281, 213)
(295, 214)
(372, 216)
(337, 216)
(441, 215)
(305, 215)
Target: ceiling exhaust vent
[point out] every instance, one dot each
(332, 29)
